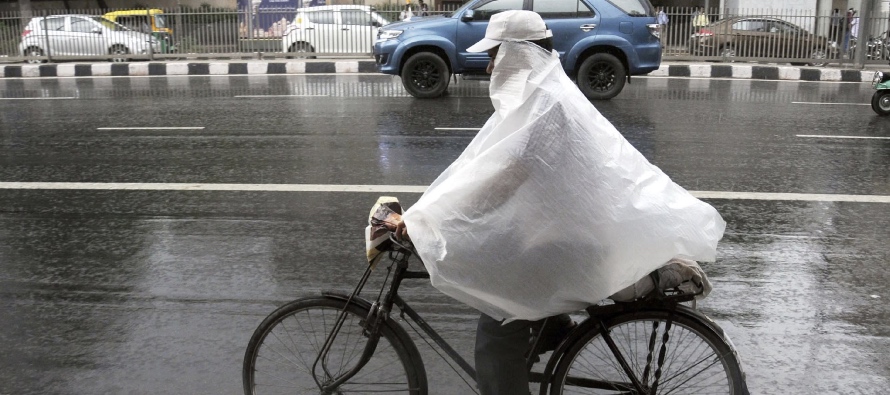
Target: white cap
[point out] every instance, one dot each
(512, 25)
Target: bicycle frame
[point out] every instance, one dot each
(380, 309)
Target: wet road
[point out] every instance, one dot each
(157, 290)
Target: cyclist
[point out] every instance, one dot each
(501, 349)
(534, 218)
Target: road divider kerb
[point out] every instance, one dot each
(352, 66)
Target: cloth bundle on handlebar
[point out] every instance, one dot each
(549, 209)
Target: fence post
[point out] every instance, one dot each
(177, 33)
(863, 32)
(151, 35)
(49, 57)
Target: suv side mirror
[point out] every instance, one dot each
(96, 30)
(467, 16)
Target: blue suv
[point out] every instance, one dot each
(601, 43)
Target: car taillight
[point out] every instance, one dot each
(26, 32)
(705, 32)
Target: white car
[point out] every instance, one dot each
(332, 29)
(82, 35)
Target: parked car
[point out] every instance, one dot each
(82, 35)
(600, 43)
(150, 21)
(762, 37)
(332, 29)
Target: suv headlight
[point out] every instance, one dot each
(388, 34)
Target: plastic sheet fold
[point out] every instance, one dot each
(549, 209)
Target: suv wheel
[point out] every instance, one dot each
(601, 76)
(34, 51)
(119, 50)
(425, 75)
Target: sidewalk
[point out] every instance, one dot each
(335, 66)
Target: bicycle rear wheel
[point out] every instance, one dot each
(283, 348)
(696, 360)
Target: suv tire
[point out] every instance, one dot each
(425, 75)
(601, 76)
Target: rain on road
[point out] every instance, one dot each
(195, 206)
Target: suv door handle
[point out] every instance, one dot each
(345, 28)
(588, 27)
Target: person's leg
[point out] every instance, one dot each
(500, 357)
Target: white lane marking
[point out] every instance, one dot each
(213, 187)
(810, 197)
(271, 96)
(825, 136)
(830, 104)
(154, 128)
(816, 197)
(37, 98)
(458, 128)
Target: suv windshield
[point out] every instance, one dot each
(634, 7)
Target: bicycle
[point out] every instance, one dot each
(331, 344)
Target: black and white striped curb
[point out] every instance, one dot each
(756, 72)
(202, 68)
(368, 66)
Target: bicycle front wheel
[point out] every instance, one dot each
(281, 353)
(695, 359)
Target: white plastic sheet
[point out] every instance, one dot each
(549, 209)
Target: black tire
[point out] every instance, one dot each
(300, 51)
(601, 76)
(34, 51)
(819, 55)
(728, 53)
(880, 102)
(283, 348)
(119, 50)
(425, 75)
(697, 360)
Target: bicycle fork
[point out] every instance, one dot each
(641, 385)
(377, 315)
(327, 386)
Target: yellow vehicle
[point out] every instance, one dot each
(151, 21)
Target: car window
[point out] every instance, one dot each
(751, 25)
(552, 9)
(634, 7)
(485, 10)
(160, 22)
(109, 24)
(379, 18)
(53, 24)
(782, 27)
(321, 17)
(81, 25)
(135, 22)
(355, 17)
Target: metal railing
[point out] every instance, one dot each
(731, 35)
(775, 36)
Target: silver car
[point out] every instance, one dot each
(82, 35)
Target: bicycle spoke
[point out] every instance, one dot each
(690, 364)
(282, 364)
